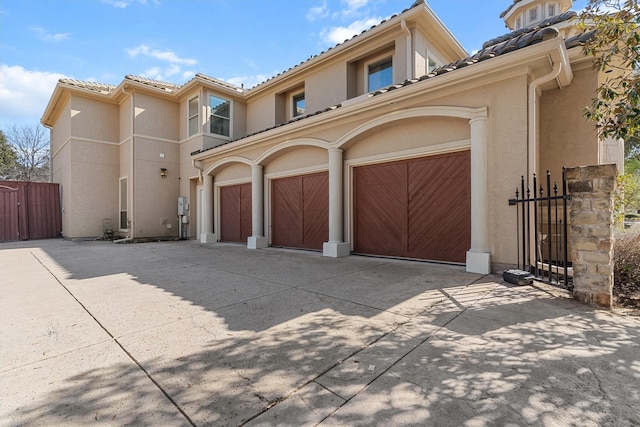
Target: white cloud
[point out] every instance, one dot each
(25, 93)
(49, 37)
(352, 7)
(318, 12)
(159, 72)
(167, 55)
(337, 35)
(121, 4)
(116, 3)
(250, 80)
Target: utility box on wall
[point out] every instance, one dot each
(182, 205)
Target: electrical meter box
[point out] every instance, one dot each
(182, 205)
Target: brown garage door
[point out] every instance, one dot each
(235, 213)
(300, 211)
(419, 208)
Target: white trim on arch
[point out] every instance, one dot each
(226, 160)
(294, 143)
(434, 111)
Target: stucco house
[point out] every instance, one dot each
(396, 142)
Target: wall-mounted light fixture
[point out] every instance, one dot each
(163, 172)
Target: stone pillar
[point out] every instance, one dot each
(257, 240)
(591, 232)
(478, 257)
(335, 247)
(207, 235)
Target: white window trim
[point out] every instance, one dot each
(378, 58)
(189, 116)
(124, 178)
(430, 55)
(528, 15)
(209, 95)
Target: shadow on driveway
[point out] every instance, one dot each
(230, 336)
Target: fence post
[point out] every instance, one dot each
(591, 232)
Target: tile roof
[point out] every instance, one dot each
(554, 20)
(218, 82)
(92, 86)
(169, 87)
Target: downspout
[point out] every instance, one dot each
(534, 92)
(132, 231)
(403, 25)
(198, 165)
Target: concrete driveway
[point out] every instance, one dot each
(177, 333)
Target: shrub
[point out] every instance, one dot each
(626, 269)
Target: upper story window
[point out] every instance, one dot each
(431, 64)
(519, 22)
(194, 123)
(379, 74)
(533, 14)
(551, 10)
(220, 116)
(298, 104)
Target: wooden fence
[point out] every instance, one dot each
(29, 210)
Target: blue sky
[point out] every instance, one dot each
(240, 41)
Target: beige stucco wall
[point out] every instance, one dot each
(566, 137)
(261, 113)
(93, 119)
(92, 188)
(62, 130)
(326, 88)
(155, 198)
(298, 160)
(156, 117)
(125, 119)
(408, 134)
(233, 173)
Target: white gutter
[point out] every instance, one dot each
(198, 165)
(534, 93)
(403, 25)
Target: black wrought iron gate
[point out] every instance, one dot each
(542, 230)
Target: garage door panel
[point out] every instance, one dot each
(439, 207)
(315, 190)
(235, 213)
(286, 212)
(230, 214)
(381, 216)
(426, 215)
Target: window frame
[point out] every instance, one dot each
(210, 114)
(195, 116)
(295, 98)
(123, 188)
(379, 59)
(534, 10)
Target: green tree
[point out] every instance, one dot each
(615, 47)
(31, 146)
(7, 158)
